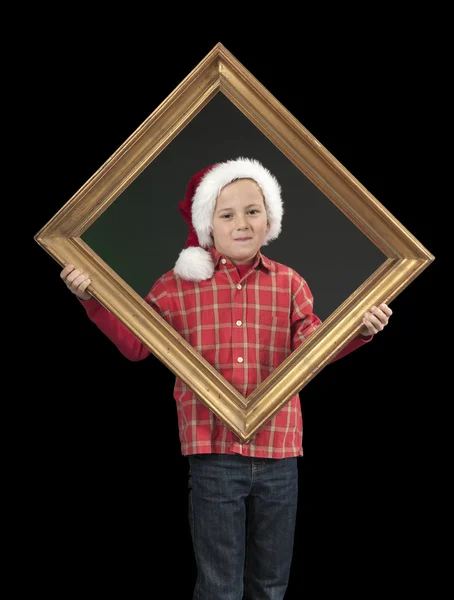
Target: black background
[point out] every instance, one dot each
(106, 486)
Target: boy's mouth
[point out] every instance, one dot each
(243, 239)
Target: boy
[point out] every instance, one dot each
(244, 314)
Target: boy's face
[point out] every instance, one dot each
(240, 213)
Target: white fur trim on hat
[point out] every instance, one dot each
(194, 264)
(210, 187)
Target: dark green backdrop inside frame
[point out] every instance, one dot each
(142, 233)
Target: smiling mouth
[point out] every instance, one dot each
(242, 239)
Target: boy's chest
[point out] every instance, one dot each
(235, 314)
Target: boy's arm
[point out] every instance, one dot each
(126, 342)
(355, 343)
(305, 322)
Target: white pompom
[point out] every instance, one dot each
(194, 264)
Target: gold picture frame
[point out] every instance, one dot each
(221, 72)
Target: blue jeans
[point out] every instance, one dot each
(242, 516)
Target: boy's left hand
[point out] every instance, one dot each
(375, 320)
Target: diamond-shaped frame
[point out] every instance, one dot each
(221, 72)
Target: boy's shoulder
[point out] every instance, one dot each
(165, 280)
(281, 268)
(287, 276)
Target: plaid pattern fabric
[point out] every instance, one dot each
(244, 324)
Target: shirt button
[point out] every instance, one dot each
(240, 359)
(239, 323)
(239, 286)
(223, 261)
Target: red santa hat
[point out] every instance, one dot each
(195, 262)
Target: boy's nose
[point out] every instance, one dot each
(242, 223)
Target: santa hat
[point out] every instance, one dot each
(195, 262)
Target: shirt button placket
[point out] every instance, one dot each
(239, 323)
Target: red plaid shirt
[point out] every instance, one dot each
(244, 321)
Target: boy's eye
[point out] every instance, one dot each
(253, 210)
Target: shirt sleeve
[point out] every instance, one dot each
(304, 322)
(126, 342)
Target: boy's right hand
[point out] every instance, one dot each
(76, 281)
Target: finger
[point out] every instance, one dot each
(373, 322)
(370, 328)
(66, 271)
(385, 308)
(83, 286)
(377, 312)
(72, 276)
(77, 281)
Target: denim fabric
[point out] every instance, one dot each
(242, 515)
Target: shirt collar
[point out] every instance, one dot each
(260, 260)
